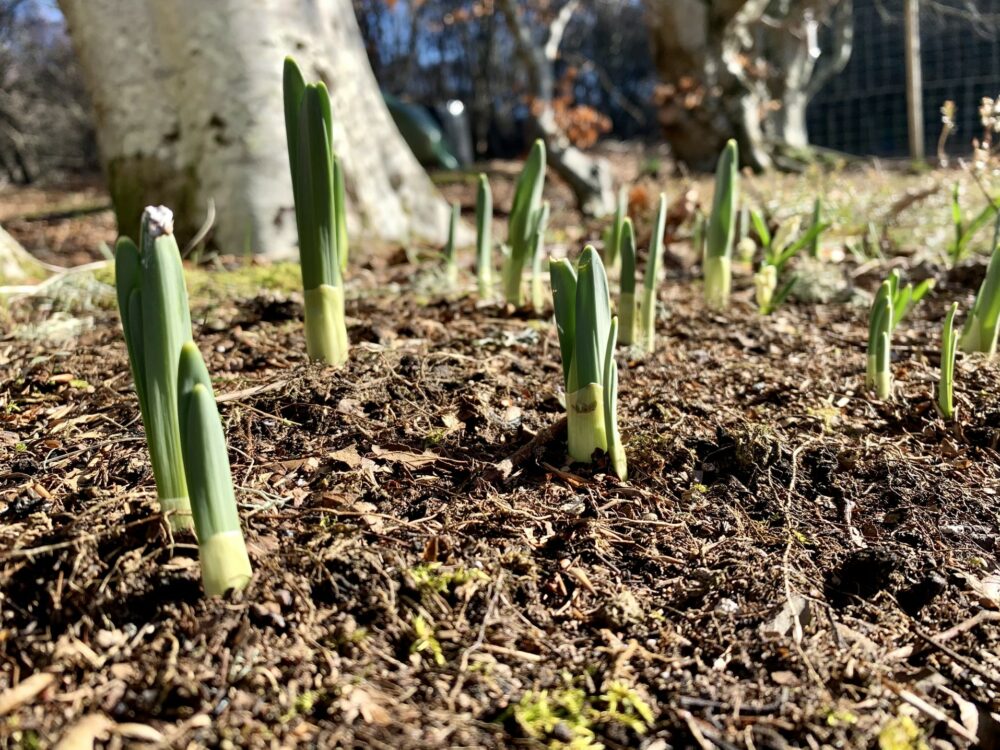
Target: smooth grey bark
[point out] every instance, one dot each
(188, 103)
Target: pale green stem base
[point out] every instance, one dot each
(177, 511)
(224, 563)
(946, 399)
(718, 281)
(978, 339)
(326, 331)
(451, 275)
(648, 313)
(626, 320)
(513, 290)
(883, 384)
(537, 291)
(585, 422)
(484, 284)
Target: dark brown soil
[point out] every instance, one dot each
(791, 563)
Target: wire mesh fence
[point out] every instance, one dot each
(863, 110)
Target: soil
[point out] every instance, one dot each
(791, 563)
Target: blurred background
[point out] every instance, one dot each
(466, 82)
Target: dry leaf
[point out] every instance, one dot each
(408, 459)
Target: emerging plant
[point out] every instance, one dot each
(980, 331)
(484, 237)
(153, 304)
(746, 247)
(880, 326)
(626, 301)
(221, 548)
(537, 256)
(946, 384)
(647, 309)
(717, 259)
(450, 261)
(779, 249)
(964, 233)
(892, 303)
(614, 247)
(817, 220)
(905, 298)
(524, 216)
(319, 214)
(587, 336)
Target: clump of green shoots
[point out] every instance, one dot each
(627, 317)
(523, 224)
(817, 220)
(614, 246)
(892, 303)
(221, 547)
(450, 259)
(537, 258)
(964, 233)
(946, 384)
(320, 214)
(587, 335)
(880, 325)
(484, 237)
(635, 320)
(980, 331)
(779, 249)
(717, 259)
(647, 308)
(153, 304)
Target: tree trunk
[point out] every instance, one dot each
(188, 100)
(589, 177)
(707, 96)
(742, 68)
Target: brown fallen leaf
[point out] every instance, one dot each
(408, 459)
(348, 455)
(24, 692)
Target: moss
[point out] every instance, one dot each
(565, 718)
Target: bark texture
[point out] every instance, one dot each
(588, 177)
(743, 69)
(188, 102)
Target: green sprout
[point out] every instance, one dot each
(586, 341)
(614, 246)
(964, 233)
(524, 217)
(817, 220)
(221, 548)
(627, 317)
(717, 259)
(320, 214)
(484, 237)
(153, 304)
(980, 331)
(537, 256)
(946, 384)
(779, 250)
(450, 261)
(647, 309)
(880, 325)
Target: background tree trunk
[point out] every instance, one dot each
(743, 69)
(188, 102)
(589, 177)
